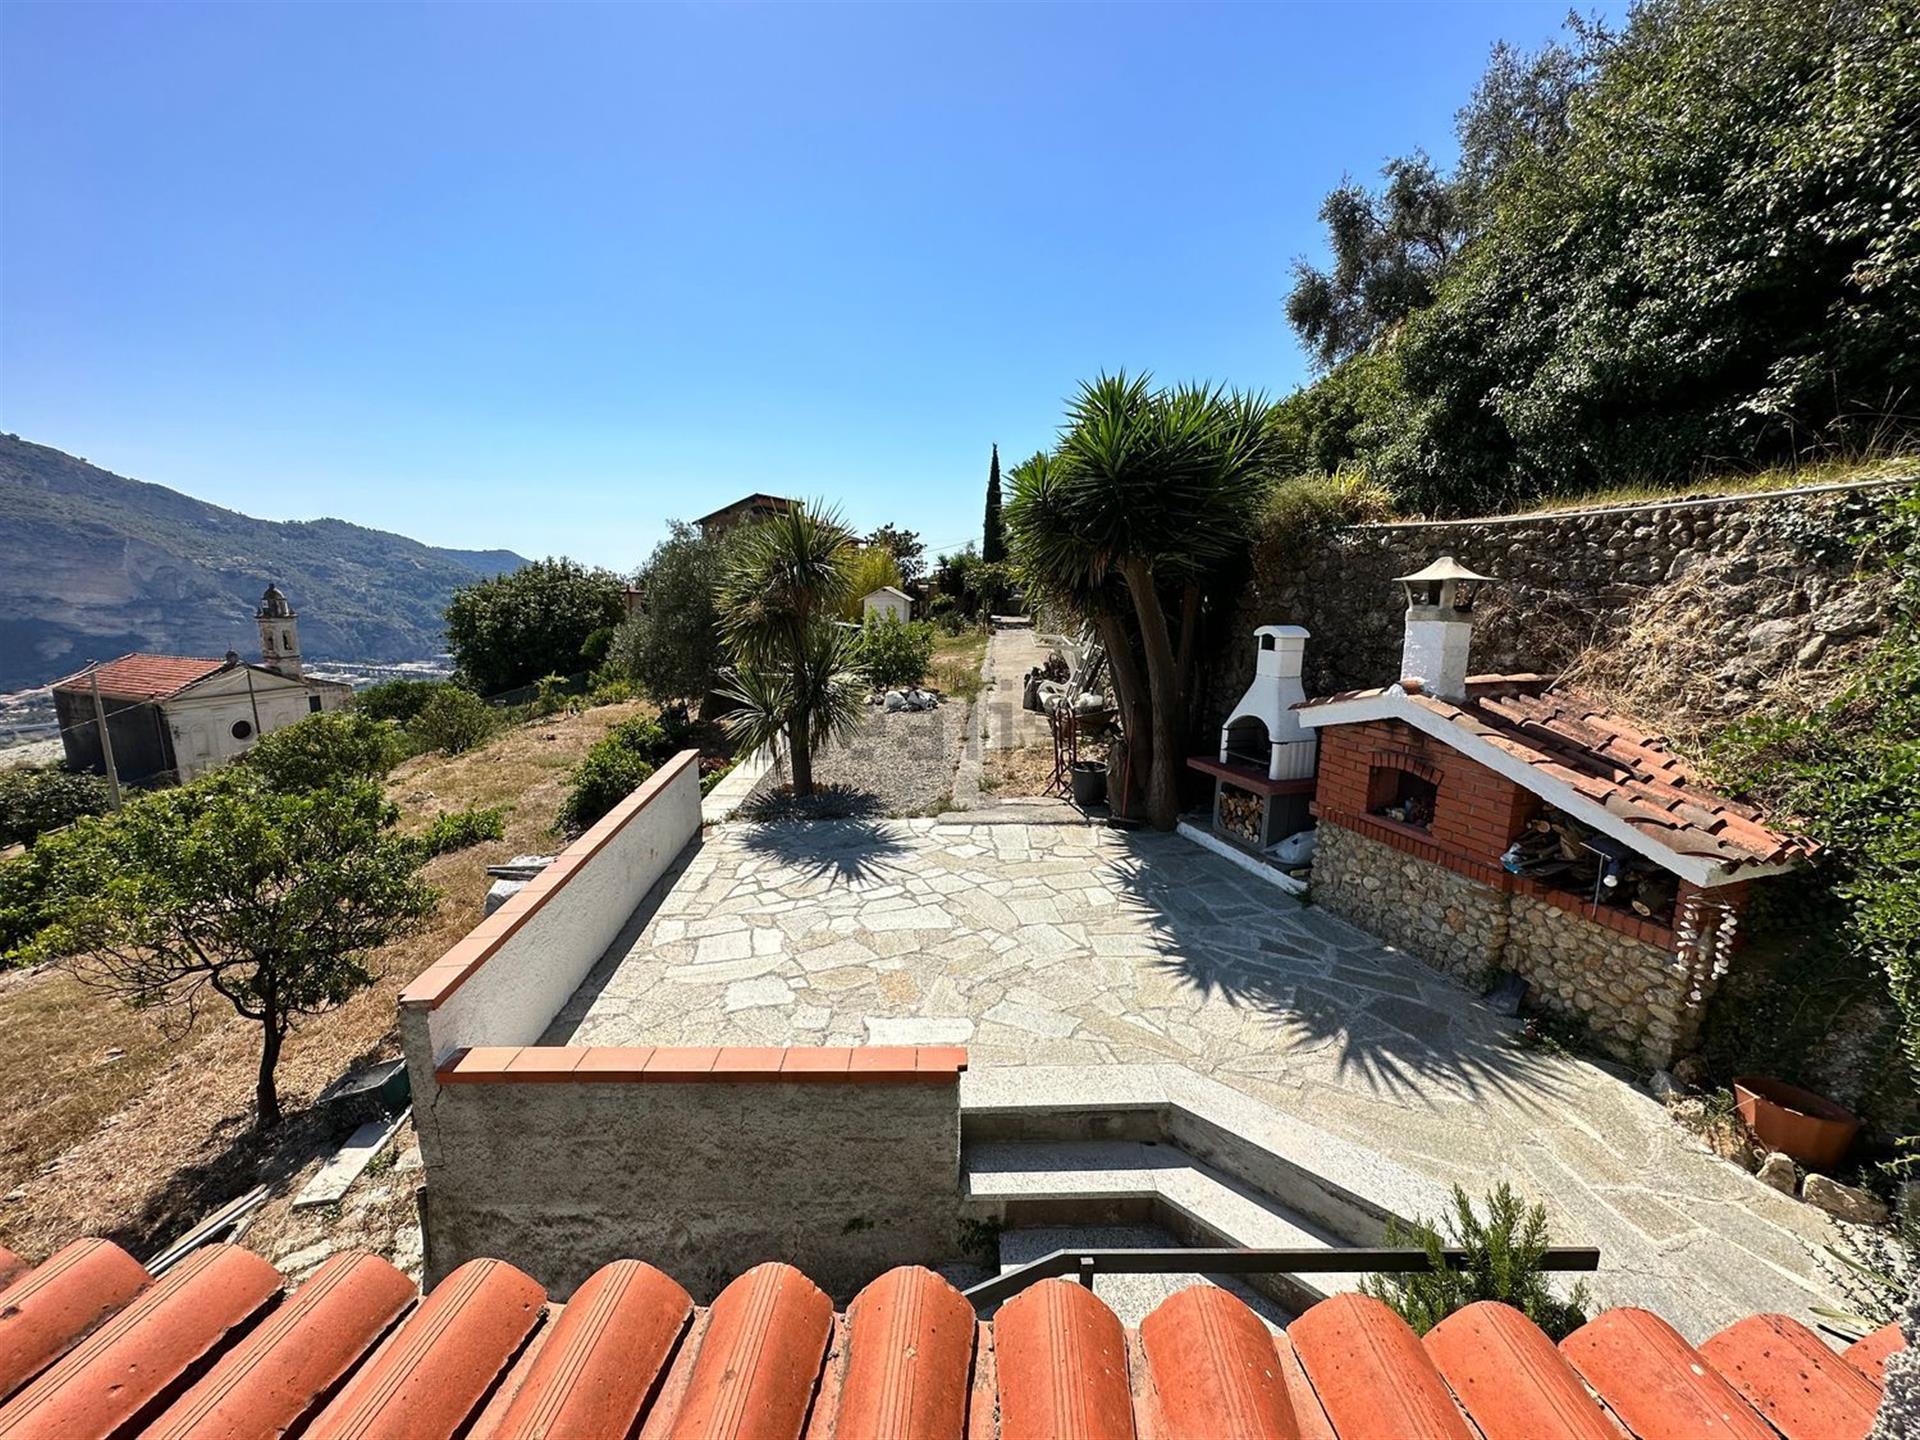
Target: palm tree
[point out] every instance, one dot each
(1132, 518)
(784, 582)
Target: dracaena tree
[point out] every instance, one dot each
(1133, 520)
(785, 580)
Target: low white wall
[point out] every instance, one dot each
(504, 983)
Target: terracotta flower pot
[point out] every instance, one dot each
(1809, 1127)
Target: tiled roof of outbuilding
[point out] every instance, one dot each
(1568, 737)
(215, 1348)
(144, 677)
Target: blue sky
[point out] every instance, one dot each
(544, 277)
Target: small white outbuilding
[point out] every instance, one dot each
(885, 602)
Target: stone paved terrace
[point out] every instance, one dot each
(1042, 944)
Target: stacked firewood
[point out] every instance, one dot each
(1556, 848)
(1240, 814)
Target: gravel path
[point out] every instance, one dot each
(897, 764)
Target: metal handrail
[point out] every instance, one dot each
(1083, 1265)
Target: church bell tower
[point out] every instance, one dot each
(279, 634)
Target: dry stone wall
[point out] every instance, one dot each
(1690, 609)
(1633, 997)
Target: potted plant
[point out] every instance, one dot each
(1812, 1129)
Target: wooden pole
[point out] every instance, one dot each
(106, 740)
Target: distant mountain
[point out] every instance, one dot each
(93, 565)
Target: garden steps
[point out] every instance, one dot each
(1136, 1182)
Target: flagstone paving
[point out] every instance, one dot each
(1066, 945)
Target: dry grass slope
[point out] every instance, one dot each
(135, 1125)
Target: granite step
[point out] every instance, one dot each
(1129, 1182)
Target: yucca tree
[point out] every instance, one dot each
(1147, 498)
(783, 584)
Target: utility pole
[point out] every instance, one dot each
(106, 740)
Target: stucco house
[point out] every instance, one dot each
(176, 717)
(887, 603)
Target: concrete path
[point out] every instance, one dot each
(998, 721)
(1071, 945)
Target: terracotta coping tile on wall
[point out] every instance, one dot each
(1062, 1360)
(759, 1358)
(602, 1358)
(1510, 1378)
(271, 1380)
(909, 1349)
(1215, 1374)
(1373, 1377)
(1788, 1374)
(103, 1384)
(60, 1301)
(737, 1064)
(429, 1379)
(439, 980)
(1658, 1384)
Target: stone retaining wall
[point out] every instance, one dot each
(1762, 584)
(1633, 996)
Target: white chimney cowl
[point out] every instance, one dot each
(1439, 636)
(1270, 699)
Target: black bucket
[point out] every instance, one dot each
(1089, 783)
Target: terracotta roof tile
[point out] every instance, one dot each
(144, 677)
(1571, 738)
(485, 1358)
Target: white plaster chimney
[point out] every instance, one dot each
(1440, 626)
(1276, 689)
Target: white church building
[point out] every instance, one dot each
(175, 717)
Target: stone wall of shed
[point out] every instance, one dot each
(1643, 1003)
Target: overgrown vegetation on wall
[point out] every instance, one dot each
(1689, 244)
(1838, 946)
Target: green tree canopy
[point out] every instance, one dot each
(273, 901)
(510, 630)
(345, 745)
(906, 548)
(672, 648)
(993, 537)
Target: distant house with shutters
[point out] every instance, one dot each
(175, 717)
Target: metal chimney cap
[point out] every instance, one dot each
(1445, 568)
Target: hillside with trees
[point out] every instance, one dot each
(1688, 245)
(93, 564)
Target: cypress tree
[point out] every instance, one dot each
(993, 544)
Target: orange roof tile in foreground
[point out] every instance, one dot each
(352, 1354)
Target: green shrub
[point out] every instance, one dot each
(1503, 1263)
(453, 720)
(34, 801)
(620, 762)
(326, 750)
(458, 829)
(607, 775)
(894, 653)
(398, 700)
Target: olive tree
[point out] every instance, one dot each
(273, 901)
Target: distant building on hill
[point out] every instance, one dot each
(743, 511)
(178, 716)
